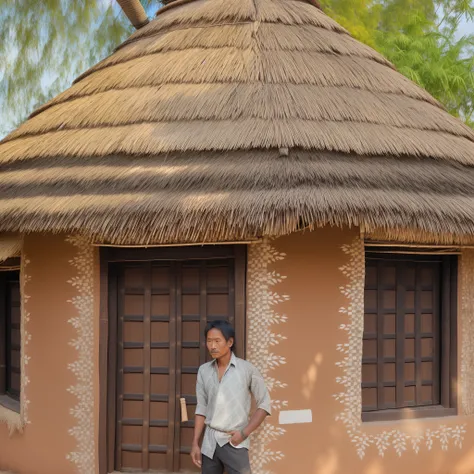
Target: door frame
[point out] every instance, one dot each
(108, 321)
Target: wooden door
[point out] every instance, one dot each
(161, 310)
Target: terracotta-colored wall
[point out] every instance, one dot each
(313, 281)
(311, 267)
(45, 442)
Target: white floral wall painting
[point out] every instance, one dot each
(25, 278)
(262, 319)
(83, 367)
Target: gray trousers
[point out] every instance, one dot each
(229, 459)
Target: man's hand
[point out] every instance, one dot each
(196, 455)
(236, 438)
(195, 449)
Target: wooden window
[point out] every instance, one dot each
(10, 339)
(409, 347)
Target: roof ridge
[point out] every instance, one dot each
(315, 3)
(169, 4)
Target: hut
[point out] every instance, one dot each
(247, 160)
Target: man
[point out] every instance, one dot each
(223, 391)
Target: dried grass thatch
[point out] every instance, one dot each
(12, 420)
(10, 246)
(175, 136)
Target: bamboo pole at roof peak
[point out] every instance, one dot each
(135, 12)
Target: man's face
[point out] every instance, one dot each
(217, 345)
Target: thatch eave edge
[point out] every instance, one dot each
(369, 230)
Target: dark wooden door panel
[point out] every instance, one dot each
(205, 292)
(144, 357)
(162, 309)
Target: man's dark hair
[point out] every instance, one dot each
(224, 327)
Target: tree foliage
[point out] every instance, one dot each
(45, 44)
(421, 38)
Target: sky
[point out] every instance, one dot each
(466, 27)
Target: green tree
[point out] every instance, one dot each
(420, 37)
(440, 62)
(45, 44)
(360, 17)
(396, 15)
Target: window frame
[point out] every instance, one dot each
(448, 280)
(8, 399)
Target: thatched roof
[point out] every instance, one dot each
(231, 119)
